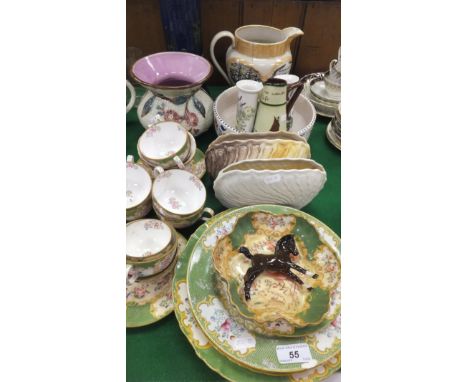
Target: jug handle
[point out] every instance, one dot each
(298, 86)
(215, 39)
(292, 33)
(132, 95)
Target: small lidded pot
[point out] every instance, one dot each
(179, 197)
(151, 248)
(164, 144)
(138, 190)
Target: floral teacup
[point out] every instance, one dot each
(138, 190)
(151, 247)
(179, 197)
(164, 143)
(185, 165)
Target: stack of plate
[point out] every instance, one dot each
(334, 129)
(308, 350)
(260, 168)
(325, 102)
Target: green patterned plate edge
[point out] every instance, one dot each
(250, 357)
(217, 361)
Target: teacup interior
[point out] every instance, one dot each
(138, 185)
(162, 140)
(147, 237)
(171, 69)
(179, 192)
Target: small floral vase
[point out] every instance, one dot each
(247, 98)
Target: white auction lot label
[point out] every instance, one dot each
(272, 179)
(294, 353)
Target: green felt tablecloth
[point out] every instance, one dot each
(160, 352)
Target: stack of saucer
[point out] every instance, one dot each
(324, 89)
(169, 145)
(249, 322)
(152, 249)
(334, 129)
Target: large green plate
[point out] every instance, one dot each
(205, 350)
(247, 348)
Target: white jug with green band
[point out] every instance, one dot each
(274, 106)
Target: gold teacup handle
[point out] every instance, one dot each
(210, 212)
(179, 162)
(158, 170)
(132, 278)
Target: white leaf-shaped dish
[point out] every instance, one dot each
(288, 182)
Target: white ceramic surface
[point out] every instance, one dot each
(179, 192)
(163, 140)
(138, 184)
(303, 114)
(289, 182)
(147, 237)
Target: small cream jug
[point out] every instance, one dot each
(274, 107)
(257, 52)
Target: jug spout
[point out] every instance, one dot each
(292, 32)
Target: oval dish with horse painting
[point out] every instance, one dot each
(275, 274)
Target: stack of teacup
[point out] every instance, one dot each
(138, 190)
(151, 248)
(179, 197)
(167, 145)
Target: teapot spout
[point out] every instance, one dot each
(292, 32)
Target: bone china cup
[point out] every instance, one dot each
(151, 247)
(179, 197)
(162, 143)
(138, 190)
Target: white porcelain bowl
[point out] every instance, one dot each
(138, 190)
(225, 108)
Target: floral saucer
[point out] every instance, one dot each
(206, 351)
(150, 299)
(246, 348)
(196, 166)
(331, 137)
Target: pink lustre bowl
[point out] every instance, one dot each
(171, 70)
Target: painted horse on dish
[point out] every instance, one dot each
(279, 262)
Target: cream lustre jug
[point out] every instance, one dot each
(257, 52)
